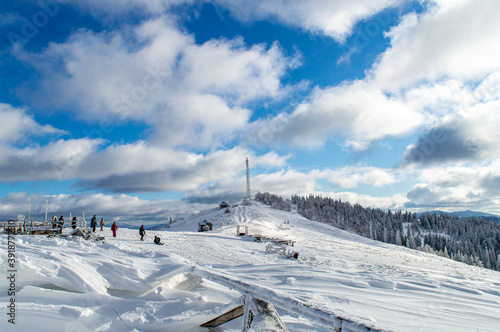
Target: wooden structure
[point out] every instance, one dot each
(238, 228)
(258, 315)
(204, 226)
(275, 249)
(260, 302)
(224, 205)
(225, 317)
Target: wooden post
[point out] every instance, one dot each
(225, 317)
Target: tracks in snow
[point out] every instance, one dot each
(243, 214)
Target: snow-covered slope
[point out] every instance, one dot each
(125, 284)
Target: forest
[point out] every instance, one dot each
(472, 240)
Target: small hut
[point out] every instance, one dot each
(223, 205)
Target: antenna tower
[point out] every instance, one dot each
(248, 180)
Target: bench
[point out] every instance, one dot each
(275, 249)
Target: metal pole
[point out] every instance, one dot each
(248, 180)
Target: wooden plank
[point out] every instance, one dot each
(225, 317)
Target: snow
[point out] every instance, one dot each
(123, 284)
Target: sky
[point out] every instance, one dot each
(138, 110)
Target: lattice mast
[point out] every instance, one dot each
(248, 180)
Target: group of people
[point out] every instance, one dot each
(59, 224)
(142, 233)
(93, 223)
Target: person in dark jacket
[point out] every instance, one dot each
(114, 228)
(142, 232)
(93, 223)
(73, 223)
(158, 240)
(61, 224)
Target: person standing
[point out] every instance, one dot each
(102, 224)
(93, 223)
(142, 232)
(73, 223)
(114, 227)
(61, 224)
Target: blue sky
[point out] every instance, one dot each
(138, 110)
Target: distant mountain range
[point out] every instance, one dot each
(466, 214)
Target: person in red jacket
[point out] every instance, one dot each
(114, 227)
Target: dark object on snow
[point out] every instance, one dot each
(142, 232)
(114, 228)
(93, 223)
(60, 224)
(74, 223)
(158, 241)
(205, 226)
(223, 205)
(227, 210)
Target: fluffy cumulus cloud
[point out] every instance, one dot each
(17, 125)
(458, 187)
(334, 18)
(352, 177)
(120, 7)
(439, 73)
(451, 39)
(135, 167)
(469, 135)
(190, 94)
(175, 171)
(356, 111)
(59, 160)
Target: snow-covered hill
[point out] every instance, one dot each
(128, 285)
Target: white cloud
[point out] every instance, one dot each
(334, 18)
(357, 111)
(393, 202)
(135, 167)
(106, 7)
(440, 67)
(352, 177)
(292, 182)
(58, 160)
(190, 94)
(452, 39)
(458, 187)
(17, 125)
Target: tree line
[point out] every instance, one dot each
(472, 240)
